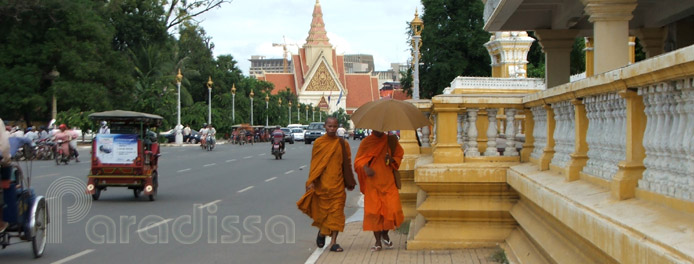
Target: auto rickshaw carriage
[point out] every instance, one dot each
(242, 133)
(128, 156)
(25, 212)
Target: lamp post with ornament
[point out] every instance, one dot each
(179, 136)
(209, 98)
(233, 104)
(417, 24)
(251, 96)
(267, 115)
(290, 112)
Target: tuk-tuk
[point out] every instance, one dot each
(128, 156)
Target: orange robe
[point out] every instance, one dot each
(325, 203)
(382, 208)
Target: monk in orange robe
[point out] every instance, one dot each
(325, 196)
(374, 164)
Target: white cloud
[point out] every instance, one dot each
(249, 27)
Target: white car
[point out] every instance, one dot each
(298, 134)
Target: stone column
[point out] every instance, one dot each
(557, 46)
(548, 152)
(623, 185)
(590, 64)
(491, 151)
(529, 136)
(460, 128)
(472, 150)
(651, 39)
(446, 149)
(510, 133)
(426, 147)
(409, 142)
(579, 157)
(610, 20)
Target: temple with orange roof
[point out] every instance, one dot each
(318, 73)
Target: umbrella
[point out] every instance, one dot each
(389, 114)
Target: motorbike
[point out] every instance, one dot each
(209, 143)
(276, 148)
(62, 153)
(44, 149)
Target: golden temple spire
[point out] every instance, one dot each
(317, 34)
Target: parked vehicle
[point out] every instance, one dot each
(171, 136)
(297, 134)
(288, 135)
(314, 131)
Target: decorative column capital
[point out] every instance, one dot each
(556, 39)
(609, 10)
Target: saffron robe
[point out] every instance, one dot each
(325, 203)
(382, 208)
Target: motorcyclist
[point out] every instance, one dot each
(212, 133)
(5, 170)
(278, 135)
(104, 128)
(66, 136)
(203, 134)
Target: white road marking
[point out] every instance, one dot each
(208, 204)
(316, 253)
(290, 171)
(184, 170)
(247, 157)
(70, 258)
(270, 179)
(154, 225)
(245, 189)
(263, 154)
(302, 166)
(211, 164)
(230, 160)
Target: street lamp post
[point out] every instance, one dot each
(417, 24)
(298, 113)
(290, 112)
(209, 98)
(251, 96)
(313, 114)
(54, 74)
(179, 136)
(267, 103)
(279, 103)
(233, 104)
(306, 110)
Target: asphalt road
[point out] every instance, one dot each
(235, 204)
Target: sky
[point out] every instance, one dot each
(244, 28)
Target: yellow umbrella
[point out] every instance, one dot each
(389, 114)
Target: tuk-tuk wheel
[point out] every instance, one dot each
(97, 193)
(155, 185)
(39, 234)
(136, 192)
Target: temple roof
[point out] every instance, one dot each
(317, 34)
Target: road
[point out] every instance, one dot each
(235, 204)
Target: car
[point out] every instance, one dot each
(358, 134)
(171, 136)
(298, 134)
(314, 131)
(288, 135)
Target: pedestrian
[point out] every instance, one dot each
(341, 132)
(329, 176)
(31, 134)
(186, 133)
(377, 158)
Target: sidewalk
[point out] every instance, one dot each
(357, 245)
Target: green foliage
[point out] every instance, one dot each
(406, 80)
(74, 117)
(342, 118)
(500, 257)
(453, 41)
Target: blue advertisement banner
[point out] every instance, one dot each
(116, 148)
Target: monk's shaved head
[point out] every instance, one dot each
(331, 126)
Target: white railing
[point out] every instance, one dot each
(539, 131)
(564, 132)
(498, 83)
(669, 161)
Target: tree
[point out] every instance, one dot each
(453, 41)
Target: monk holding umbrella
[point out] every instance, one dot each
(377, 163)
